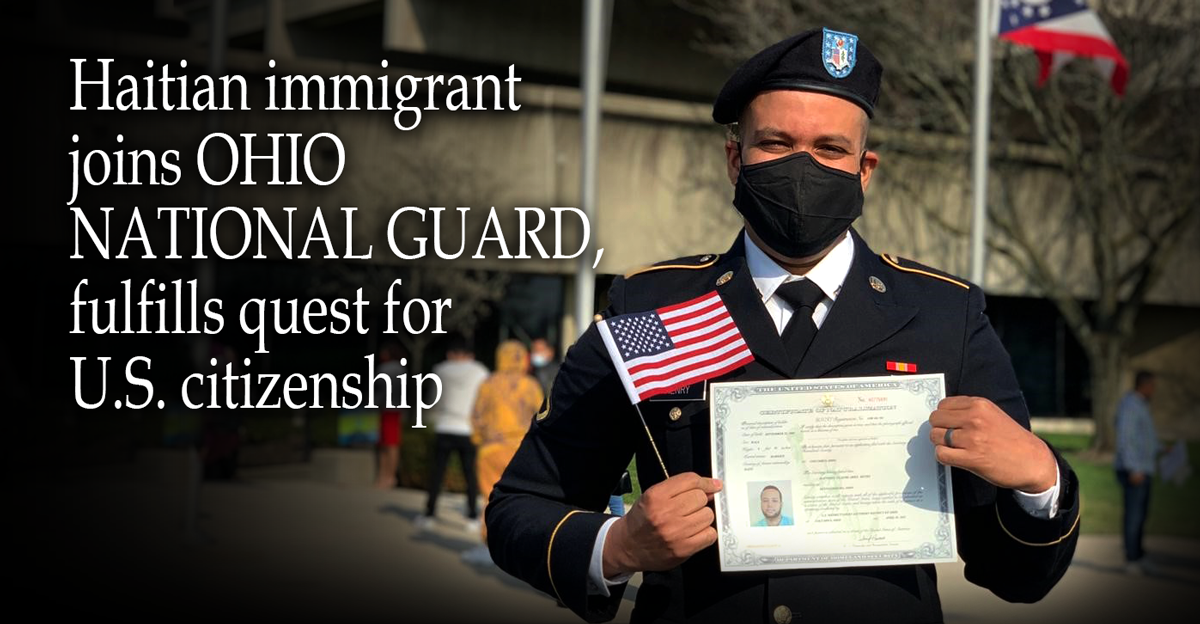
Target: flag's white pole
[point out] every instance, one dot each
(596, 18)
(979, 139)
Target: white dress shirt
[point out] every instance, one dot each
(830, 273)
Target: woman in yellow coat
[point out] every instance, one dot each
(504, 406)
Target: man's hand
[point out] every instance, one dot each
(668, 524)
(989, 443)
(1136, 478)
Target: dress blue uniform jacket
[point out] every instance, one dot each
(545, 511)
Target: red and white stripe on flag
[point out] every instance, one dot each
(1059, 30)
(663, 350)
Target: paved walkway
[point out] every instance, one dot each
(280, 546)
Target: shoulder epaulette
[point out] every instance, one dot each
(689, 262)
(894, 262)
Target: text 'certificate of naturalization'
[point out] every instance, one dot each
(829, 473)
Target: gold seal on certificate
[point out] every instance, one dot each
(827, 473)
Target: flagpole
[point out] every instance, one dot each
(979, 139)
(596, 25)
(661, 464)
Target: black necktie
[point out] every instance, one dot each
(803, 296)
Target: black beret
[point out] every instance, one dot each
(825, 61)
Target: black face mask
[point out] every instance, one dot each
(796, 205)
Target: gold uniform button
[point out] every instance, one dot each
(724, 278)
(782, 614)
(705, 258)
(675, 413)
(598, 318)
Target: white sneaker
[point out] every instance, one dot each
(473, 526)
(424, 523)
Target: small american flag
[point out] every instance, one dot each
(662, 350)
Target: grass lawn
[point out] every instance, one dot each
(1173, 509)
(637, 487)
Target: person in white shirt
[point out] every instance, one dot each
(461, 377)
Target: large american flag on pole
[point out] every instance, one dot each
(1059, 30)
(663, 350)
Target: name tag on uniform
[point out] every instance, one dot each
(694, 392)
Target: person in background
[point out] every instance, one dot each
(1137, 450)
(392, 363)
(504, 406)
(221, 437)
(545, 365)
(616, 502)
(461, 377)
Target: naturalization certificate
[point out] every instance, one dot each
(829, 473)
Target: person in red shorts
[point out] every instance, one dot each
(391, 363)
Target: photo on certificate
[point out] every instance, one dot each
(830, 473)
(770, 503)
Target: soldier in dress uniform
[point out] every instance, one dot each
(811, 300)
